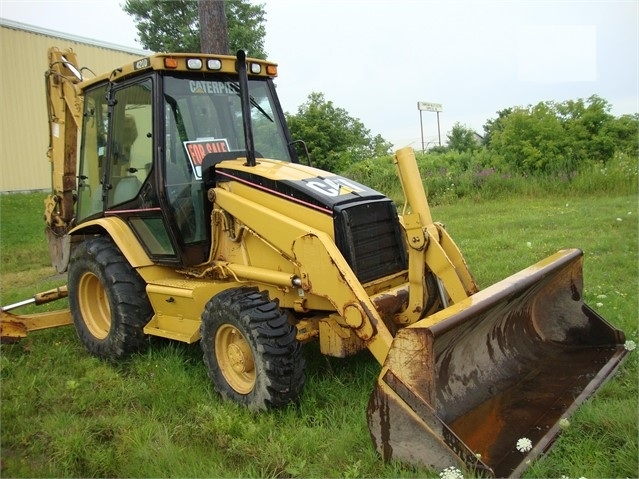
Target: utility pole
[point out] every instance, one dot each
(214, 36)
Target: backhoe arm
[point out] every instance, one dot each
(64, 106)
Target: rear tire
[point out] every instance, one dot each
(107, 299)
(250, 350)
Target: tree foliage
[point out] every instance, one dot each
(559, 138)
(334, 139)
(174, 26)
(462, 138)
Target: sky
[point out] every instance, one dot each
(378, 58)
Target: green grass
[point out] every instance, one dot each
(24, 258)
(67, 414)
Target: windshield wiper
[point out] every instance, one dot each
(253, 102)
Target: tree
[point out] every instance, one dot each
(462, 138)
(554, 138)
(380, 146)
(214, 36)
(584, 124)
(334, 139)
(174, 26)
(624, 131)
(495, 124)
(531, 140)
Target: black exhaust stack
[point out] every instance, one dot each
(246, 108)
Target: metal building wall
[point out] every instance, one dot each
(24, 134)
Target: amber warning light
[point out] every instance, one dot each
(170, 63)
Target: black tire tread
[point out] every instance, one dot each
(274, 346)
(126, 292)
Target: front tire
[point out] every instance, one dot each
(107, 299)
(250, 350)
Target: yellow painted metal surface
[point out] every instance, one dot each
(178, 305)
(178, 62)
(337, 339)
(412, 185)
(324, 272)
(121, 234)
(93, 302)
(14, 327)
(235, 358)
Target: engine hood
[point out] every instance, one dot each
(310, 186)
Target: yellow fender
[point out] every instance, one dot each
(122, 236)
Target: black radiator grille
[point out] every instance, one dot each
(369, 236)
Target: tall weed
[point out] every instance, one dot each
(451, 176)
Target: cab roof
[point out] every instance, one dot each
(184, 62)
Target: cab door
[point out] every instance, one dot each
(130, 151)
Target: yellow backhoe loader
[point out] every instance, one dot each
(187, 215)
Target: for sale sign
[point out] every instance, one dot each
(198, 149)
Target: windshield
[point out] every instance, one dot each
(205, 116)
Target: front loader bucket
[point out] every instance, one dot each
(461, 387)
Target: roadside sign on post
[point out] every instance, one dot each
(428, 106)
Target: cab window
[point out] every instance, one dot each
(92, 153)
(131, 149)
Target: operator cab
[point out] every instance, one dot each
(148, 134)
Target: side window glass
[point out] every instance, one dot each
(92, 153)
(183, 184)
(131, 149)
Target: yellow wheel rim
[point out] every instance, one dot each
(94, 306)
(235, 358)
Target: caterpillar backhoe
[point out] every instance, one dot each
(186, 214)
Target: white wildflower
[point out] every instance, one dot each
(564, 423)
(529, 244)
(451, 473)
(601, 296)
(524, 444)
(599, 305)
(619, 219)
(630, 345)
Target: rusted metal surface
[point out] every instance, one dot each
(390, 303)
(462, 386)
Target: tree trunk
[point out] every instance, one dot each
(213, 31)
